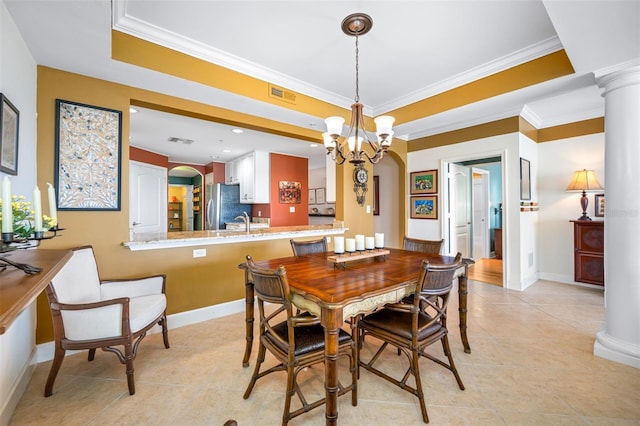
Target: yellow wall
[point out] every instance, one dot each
(191, 283)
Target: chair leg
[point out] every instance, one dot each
(415, 368)
(447, 352)
(58, 357)
(256, 371)
(291, 390)
(165, 332)
(92, 354)
(128, 357)
(355, 370)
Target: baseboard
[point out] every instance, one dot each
(616, 350)
(17, 390)
(45, 351)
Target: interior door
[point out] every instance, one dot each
(460, 196)
(147, 198)
(480, 223)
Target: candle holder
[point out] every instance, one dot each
(9, 244)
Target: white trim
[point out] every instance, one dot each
(18, 389)
(613, 349)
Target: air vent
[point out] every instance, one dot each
(181, 141)
(281, 94)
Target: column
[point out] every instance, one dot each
(619, 339)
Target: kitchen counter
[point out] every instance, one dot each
(200, 238)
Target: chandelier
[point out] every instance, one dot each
(357, 146)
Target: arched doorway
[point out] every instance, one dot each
(184, 199)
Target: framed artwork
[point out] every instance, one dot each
(320, 196)
(290, 192)
(425, 182)
(312, 196)
(424, 207)
(376, 195)
(88, 157)
(599, 205)
(9, 125)
(525, 179)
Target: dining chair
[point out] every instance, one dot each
(301, 248)
(425, 246)
(413, 327)
(297, 342)
(90, 313)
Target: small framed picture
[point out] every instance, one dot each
(9, 120)
(312, 196)
(425, 182)
(320, 199)
(599, 205)
(424, 207)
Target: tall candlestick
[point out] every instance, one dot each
(37, 207)
(52, 204)
(7, 211)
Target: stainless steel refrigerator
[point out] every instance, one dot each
(223, 205)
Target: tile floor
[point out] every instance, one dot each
(531, 364)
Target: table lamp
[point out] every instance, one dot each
(584, 180)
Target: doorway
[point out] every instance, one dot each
(470, 205)
(185, 185)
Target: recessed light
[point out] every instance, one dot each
(313, 145)
(132, 110)
(226, 150)
(237, 130)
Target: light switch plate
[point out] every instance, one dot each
(292, 209)
(199, 252)
(368, 209)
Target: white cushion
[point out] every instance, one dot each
(145, 309)
(131, 288)
(78, 281)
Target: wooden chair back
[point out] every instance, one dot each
(424, 246)
(300, 248)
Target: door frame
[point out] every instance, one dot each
(505, 200)
(486, 249)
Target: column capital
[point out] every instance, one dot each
(619, 78)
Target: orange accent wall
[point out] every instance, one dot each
(285, 167)
(218, 170)
(143, 156)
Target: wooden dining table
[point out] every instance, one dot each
(336, 291)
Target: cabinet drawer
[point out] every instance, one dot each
(589, 268)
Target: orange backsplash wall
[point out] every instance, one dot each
(285, 167)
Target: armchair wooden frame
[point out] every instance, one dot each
(128, 339)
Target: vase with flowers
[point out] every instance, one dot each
(23, 219)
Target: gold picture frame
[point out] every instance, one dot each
(424, 207)
(425, 182)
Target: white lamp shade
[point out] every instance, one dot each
(328, 140)
(384, 124)
(334, 125)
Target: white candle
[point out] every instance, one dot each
(338, 245)
(369, 243)
(360, 242)
(37, 207)
(350, 244)
(7, 212)
(52, 204)
(379, 239)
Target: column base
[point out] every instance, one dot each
(616, 350)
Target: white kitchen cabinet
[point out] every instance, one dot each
(231, 171)
(253, 171)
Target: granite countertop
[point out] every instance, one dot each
(197, 238)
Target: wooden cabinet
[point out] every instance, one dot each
(588, 240)
(174, 216)
(498, 240)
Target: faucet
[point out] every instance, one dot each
(245, 219)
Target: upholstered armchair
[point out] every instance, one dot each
(89, 313)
